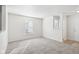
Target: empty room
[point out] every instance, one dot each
(42, 29)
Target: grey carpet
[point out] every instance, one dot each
(41, 46)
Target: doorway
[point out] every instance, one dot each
(72, 32)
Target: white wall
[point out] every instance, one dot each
(48, 30)
(64, 28)
(73, 27)
(4, 32)
(17, 27)
(3, 42)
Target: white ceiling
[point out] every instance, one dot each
(41, 10)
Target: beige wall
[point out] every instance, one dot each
(17, 27)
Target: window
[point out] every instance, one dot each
(56, 22)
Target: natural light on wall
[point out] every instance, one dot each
(77, 11)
